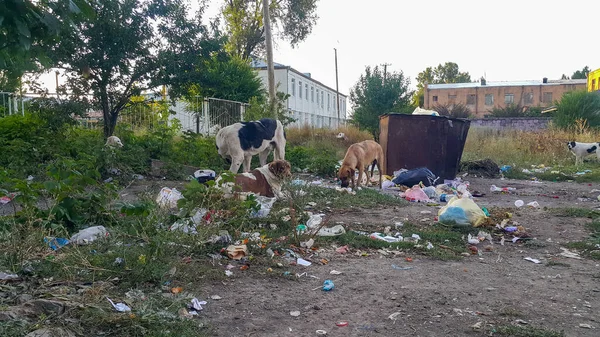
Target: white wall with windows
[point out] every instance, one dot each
(310, 102)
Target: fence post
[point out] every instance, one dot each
(242, 111)
(205, 113)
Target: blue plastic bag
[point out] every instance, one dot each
(414, 177)
(454, 216)
(328, 285)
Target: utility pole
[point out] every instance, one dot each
(337, 90)
(385, 71)
(56, 75)
(270, 65)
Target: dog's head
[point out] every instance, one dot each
(281, 169)
(345, 174)
(571, 145)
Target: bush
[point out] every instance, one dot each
(453, 110)
(578, 105)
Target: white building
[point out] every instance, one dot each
(310, 101)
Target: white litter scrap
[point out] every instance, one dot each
(536, 261)
(569, 254)
(120, 307)
(89, 235)
(168, 197)
(335, 272)
(197, 304)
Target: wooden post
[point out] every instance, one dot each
(269, 46)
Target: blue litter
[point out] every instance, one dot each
(505, 168)
(328, 285)
(56, 243)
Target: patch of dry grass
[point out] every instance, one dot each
(524, 148)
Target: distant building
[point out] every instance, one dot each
(594, 80)
(310, 102)
(481, 97)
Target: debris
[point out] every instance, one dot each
(569, 254)
(197, 304)
(585, 326)
(307, 244)
(228, 273)
(472, 240)
(303, 262)
(386, 238)
(495, 188)
(342, 249)
(414, 177)
(519, 203)
(335, 272)
(333, 231)
(120, 307)
(520, 321)
(56, 243)
(341, 323)
(266, 204)
(533, 204)
(321, 332)
(401, 268)
(328, 285)
(176, 290)
(477, 326)
(89, 235)
(415, 194)
(394, 316)
(536, 261)
(203, 176)
(237, 252)
(7, 277)
(295, 313)
(168, 197)
(429, 245)
(461, 212)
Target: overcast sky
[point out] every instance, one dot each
(505, 40)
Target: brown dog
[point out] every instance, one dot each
(265, 181)
(360, 156)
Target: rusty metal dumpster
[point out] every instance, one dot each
(412, 141)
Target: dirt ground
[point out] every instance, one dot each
(434, 298)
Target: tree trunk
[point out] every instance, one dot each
(108, 129)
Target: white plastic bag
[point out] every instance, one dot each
(266, 204)
(168, 197)
(89, 235)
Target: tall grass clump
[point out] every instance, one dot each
(578, 105)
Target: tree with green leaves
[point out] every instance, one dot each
(581, 74)
(443, 73)
(130, 47)
(377, 93)
(293, 20)
(27, 30)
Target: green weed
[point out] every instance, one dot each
(527, 331)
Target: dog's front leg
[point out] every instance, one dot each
(360, 175)
(247, 161)
(235, 165)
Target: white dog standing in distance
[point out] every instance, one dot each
(581, 150)
(237, 143)
(113, 141)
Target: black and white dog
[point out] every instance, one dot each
(237, 143)
(581, 150)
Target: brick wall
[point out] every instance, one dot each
(519, 123)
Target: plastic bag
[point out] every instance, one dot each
(461, 212)
(89, 235)
(203, 176)
(416, 194)
(168, 197)
(414, 177)
(266, 204)
(430, 191)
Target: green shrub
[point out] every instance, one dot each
(578, 105)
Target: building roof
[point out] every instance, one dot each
(503, 84)
(258, 63)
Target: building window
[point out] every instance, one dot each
(322, 101)
(528, 98)
(328, 101)
(470, 99)
(306, 91)
(547, 98)
(317, 97)
(300, 88)
(509, 98)
(435, 98)
(489, 99)
(451, 97)
(312, 94)
(293, 87)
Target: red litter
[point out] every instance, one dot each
(342, 323)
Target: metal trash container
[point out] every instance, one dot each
(413, 141)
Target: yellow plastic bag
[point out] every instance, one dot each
(462, 212)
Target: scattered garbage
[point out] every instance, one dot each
(415, 194)
(303, 262)
(394, 316)
(314, 221)
(7, 277)
(328, 285)
(430, 192)
(196, 304)
(533, 204)
(536, 261)
(415, 176)
(505, 168)
(461, 212)
(307, 244)
(386, 238)
(585, 326)
(321, 332)
(295, 313)
(168, 197)
(266, 204)
(237, 252)
(387, 184)
(120, 307)
(569, 254)
(495, 188)
(333, 231)
(228, 273)
(56, 243)
(342, 249)
(519, 203)
(341, 323)
(204, 176)
(89, 235)
(335, 272)
(401, 268)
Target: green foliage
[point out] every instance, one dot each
(373, 96)
(453, 110)
(196, 150)
(319, 159)
(510, 110)
(578, 105)
(581, 74)
(443, 73)
(244, 23)
(259, 108)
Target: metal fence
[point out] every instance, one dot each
(11, 104)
